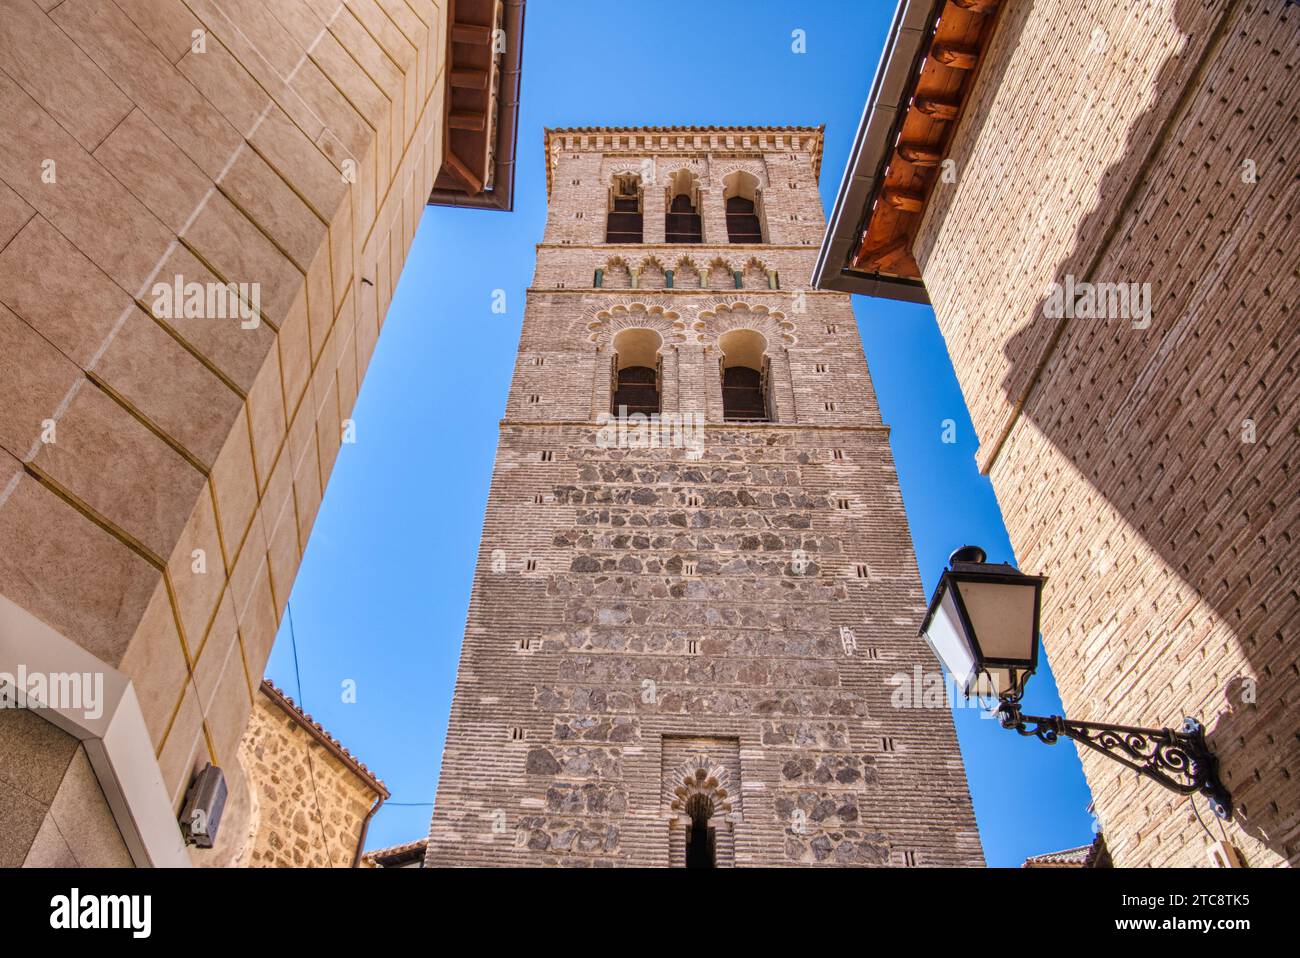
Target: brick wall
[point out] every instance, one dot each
(634, 607)
(159, 475)
(1148, 470)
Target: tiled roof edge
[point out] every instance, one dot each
(317, 731)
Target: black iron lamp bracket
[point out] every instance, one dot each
(1179, 760)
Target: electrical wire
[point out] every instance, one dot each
(1191, 800)
(293, 642)
(311, 765)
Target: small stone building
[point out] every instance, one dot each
(297, 797)
(1092, 855)
(406, 855)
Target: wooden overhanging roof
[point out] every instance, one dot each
(481, 112)
(932, 56)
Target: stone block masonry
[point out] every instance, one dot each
(665, 638)
(302, 800)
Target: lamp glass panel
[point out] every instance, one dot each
(949, 640)
(994, 682)
(1002, 616)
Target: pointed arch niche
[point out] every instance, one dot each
(651, 274)
(756, 275)
(743, 197)
(625, 217)
(721, 275)
(682, 222)
(687, 274)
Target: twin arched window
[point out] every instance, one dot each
(636, 374)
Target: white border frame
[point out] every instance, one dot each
(117, 742)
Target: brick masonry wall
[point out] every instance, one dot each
(1150, 472)
(635, 607)
(309, 807)
(159, 476)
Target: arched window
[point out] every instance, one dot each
(701, 841)
(623, 221)
(744, 376)
(699, 834)
(744, 201)
(636, 372)
(682, 221)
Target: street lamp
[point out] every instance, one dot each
(983, 626)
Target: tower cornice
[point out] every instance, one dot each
(655, 140)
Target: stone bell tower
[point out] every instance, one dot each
(695, 581)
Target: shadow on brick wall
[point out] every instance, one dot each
(1156, 418)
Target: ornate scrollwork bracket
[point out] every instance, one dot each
(1179, 760)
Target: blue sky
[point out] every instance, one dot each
(384, 586)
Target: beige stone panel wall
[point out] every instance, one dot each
(1148, 471)
(160, 474)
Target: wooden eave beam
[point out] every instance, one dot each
(959, 58)
(920, 154)
(475, 122)
(981, 7)
(470, 34)
(906, 202)
(456, 165)
(469, 79)
(879, 256)
(937, 109)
